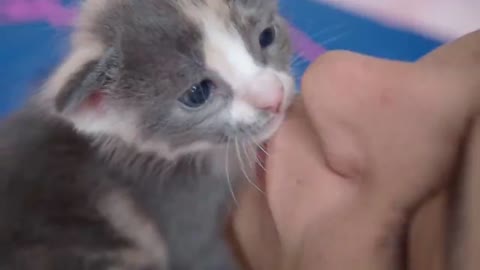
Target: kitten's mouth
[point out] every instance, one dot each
(267, 129)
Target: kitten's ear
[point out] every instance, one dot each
(87, 86)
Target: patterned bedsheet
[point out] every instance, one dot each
(33, 35)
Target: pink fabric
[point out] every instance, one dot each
(51, 11)
(444, 19)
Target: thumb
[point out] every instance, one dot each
(340, 102)
(378, 126)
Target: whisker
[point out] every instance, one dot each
(244, 147)
(298, 66)
(259, 163)
(331, 28)
(261, 148)
(228, 172)
(296, 59)
(334, 38)
(237, 149)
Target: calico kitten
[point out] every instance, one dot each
(124, 160)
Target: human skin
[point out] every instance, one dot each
(367, 144)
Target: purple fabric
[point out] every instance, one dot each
(304, 46)
(24, 11)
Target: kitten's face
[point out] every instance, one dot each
(184, 73)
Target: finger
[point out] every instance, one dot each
(342, 92)
(378, 126)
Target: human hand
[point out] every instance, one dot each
(368, 141)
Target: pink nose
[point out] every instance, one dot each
(271, 104)
(269, 100)
(265, 93)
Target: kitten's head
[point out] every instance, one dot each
(184, 74)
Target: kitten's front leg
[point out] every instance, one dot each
(219, 257)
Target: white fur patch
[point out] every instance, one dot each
(125, 218)
(124, 126)
(225, 53)
(99, 122)
(241, 111)
(166, 151)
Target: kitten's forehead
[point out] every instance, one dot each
(160, 21)
(227, 10)
(225, 51)
(219, 6)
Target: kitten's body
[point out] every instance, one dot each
(128, 158)
(58, 186)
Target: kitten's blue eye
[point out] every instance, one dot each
(267, 37)
(198, 94)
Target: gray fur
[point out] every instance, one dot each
(51, 204)
(55, 181)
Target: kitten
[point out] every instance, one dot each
(127, 158)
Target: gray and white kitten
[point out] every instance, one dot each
(123, 161)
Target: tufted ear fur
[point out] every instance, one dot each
(88, 48)
(86, 87)
(86, 97)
